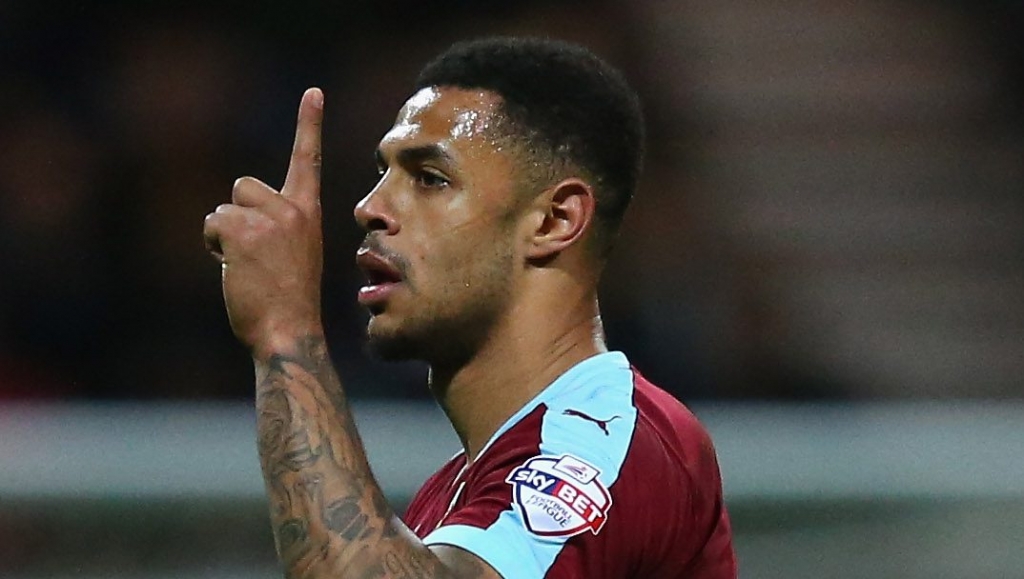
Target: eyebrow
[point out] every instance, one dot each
(419, 154)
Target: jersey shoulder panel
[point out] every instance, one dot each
(547, 479)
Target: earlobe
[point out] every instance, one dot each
(567, 210)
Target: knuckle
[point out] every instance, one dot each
(239, 189)
(290, 214)
(245, 181)
(242, 186)
(213, 221)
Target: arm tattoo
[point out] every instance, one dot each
(329, 516)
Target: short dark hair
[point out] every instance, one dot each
(565, 103)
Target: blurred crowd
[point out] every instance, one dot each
(123, 124)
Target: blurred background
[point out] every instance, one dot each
(825, 260)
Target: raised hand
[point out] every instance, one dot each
(270, 246)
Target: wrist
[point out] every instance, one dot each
(289, 340)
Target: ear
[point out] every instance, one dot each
(565, 214)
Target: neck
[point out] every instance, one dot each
(526, 352)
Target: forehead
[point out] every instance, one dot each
(445, 115)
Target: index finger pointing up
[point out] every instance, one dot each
(302, 184)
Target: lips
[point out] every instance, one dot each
(382, 277)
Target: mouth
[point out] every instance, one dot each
(382, 278)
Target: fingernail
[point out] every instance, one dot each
(318, 98)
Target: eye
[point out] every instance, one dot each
(430, 180)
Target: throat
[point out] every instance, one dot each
(481, 396)
(477, 410)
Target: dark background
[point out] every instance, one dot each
(831, 208)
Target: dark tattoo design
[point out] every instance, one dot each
(345, 518)
(291, 533)
(330, 518)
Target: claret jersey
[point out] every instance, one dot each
(602, 475)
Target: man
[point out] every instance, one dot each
(503, 182)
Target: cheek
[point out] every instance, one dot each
(448, 262)
(460, 265)
(459, 245)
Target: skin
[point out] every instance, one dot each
(497, 295)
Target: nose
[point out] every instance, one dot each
(372, 213)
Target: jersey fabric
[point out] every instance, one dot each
(602, 475)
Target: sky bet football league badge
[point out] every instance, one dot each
(559, 496)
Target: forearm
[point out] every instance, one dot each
(329, 516)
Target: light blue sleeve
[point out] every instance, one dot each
(507, 546)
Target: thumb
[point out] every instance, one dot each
(302, 184)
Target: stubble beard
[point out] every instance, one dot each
(448, 330)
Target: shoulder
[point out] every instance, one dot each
(672, 478)
(567, 484)
(604, 414)
(586, 413)
(588, 410)
(610, 413)
(544, 481)
(667, 423)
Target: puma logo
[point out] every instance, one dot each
(602, 424)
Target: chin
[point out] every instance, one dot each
(437, 338)
(391, 349)
(389, 343)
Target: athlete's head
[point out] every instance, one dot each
(513, 156)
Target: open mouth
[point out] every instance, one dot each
(381, 277)
(376, 276)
